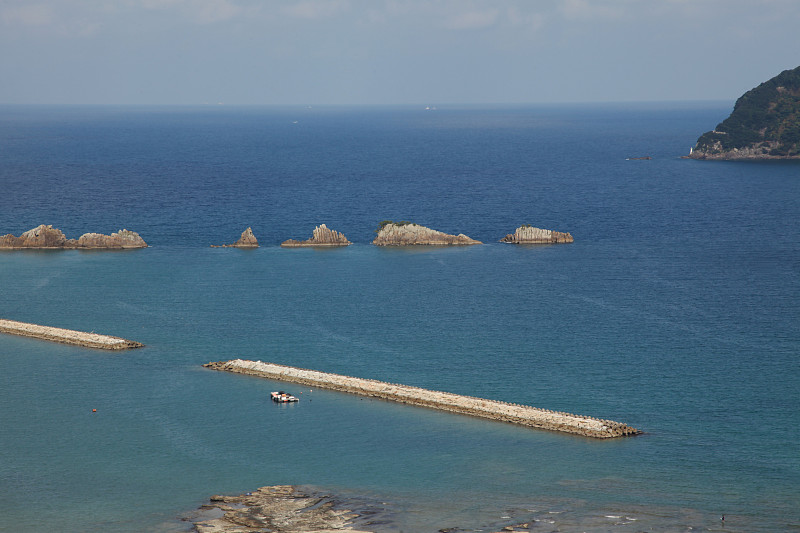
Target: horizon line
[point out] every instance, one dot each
(423, 105)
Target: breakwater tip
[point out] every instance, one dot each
(66, 336)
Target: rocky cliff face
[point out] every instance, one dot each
(46, 236)
(247, 240)
(322, 236)
(392, 234)
(531, 235)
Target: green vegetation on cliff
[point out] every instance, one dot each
(385, 223)
(765, 122)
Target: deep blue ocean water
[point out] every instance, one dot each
(676, 311)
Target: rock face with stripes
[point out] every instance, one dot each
(529, 235)
(408, 234)
(321, 236)
(46, 236)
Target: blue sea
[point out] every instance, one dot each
(676, 310)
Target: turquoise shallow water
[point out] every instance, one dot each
(675, 311)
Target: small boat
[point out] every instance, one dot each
(282, 397)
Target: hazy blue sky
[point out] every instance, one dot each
(391, 51)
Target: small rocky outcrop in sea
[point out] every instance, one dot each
(406, 234)
(121, 239)
(247, 240)
(46, 236)
(527, 234)
(39, 237)
(322, 236)
(280, 509)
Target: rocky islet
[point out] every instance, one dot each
(247, 240)
(410, 234)
(527, 234)
(388, 234)
(321, 236)
(48, 237)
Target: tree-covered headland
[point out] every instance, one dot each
(764, 124)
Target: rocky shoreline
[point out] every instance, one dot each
(757, 152)
(277, 509)
(66, 336)
(295, 509)
(48, 237)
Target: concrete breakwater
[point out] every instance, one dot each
(468, 405)
(66, 336)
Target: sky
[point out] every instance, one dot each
(376, 52)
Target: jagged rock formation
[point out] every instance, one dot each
(406, 233)
(322, 236)
(529, 235)
(764, 124)
(280, 508)
(247, 240)
(39, 237)
(46, 236)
